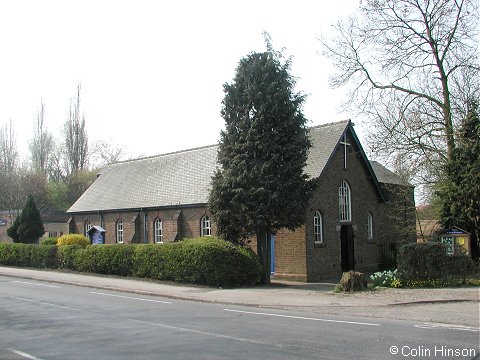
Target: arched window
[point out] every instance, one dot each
(344, 205)
(206, 228)
(158, 230)
(369, 226)
(119, 234)
(87, 226)
(318, 227)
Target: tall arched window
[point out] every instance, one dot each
(206, 228)
(87, 226)
(318, 227)
(158, 230)
(369, 226)
(344, 204)
(119, 234)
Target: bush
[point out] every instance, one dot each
(429, 264)
(422, 261)
(66, 256)
(149, 261)
(208, 261)
(29, 255)
(73, 239)
(115, 259)
(15, 254)
(49, 241)
(215, 262)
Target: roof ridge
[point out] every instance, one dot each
(164, 154)
(330, 123)
(208, 146)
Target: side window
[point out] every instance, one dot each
(119, 234)
(369, 226)
(87, 226)
(158, 230)
(318, 227)
(205, 225)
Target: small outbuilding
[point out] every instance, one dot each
(456, 240)
(96, 234)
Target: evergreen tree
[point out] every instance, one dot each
(459, 192)
(12, 231)
(31, 225)
(261, 186)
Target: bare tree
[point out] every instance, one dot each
(409, 65)
(8, 148)
(41, 146)
(104, 153)
(76, 140)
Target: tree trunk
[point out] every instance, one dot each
(263, 252)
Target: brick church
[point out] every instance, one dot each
(358, 214)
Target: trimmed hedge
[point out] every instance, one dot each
(429, 261)
(207, 261)
(28, 255)
(115, 259)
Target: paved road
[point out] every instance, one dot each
(41, 320)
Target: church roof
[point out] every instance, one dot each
(182, 178)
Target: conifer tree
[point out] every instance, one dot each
(459, 192)
(31, 225)
(261, 186)
(12, 231)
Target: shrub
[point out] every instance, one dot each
(115, 259)
(207, 261)
(429, 264)
(49, 241)
(150, 261)
(14, 254)
(29, 255)
(43, 256)
(216, 262)
(73, 239)
(66, 256)
(422, 261)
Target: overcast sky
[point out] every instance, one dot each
(152, 72)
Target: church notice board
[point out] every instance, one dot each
(456, 240)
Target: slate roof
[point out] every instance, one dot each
(182, 178)
(386, 176)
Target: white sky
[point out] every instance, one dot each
(152, 72)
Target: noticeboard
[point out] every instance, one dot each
(450, 245)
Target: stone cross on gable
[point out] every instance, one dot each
(345, 144)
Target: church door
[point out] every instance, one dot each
(348, 253)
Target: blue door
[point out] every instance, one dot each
(272, 254)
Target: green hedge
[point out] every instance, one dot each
(429, 261)
(115, 259)
(208, 261)
(28, 255)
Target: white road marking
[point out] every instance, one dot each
(446, 326)
(131, 297)
(303, 318)
(206, 333)
(29, 283)
(44, 303)
(24, 354)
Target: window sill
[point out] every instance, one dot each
(319, 245)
